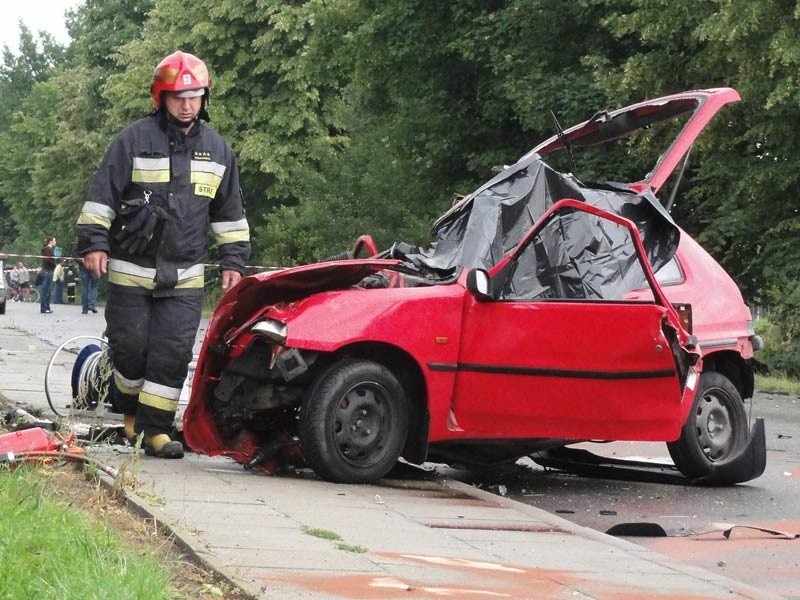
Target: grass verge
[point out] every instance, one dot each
(777, 384)
(50, 549)
(64, 537)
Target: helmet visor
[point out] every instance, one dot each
(189, 93)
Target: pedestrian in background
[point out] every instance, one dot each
(89, 288)
(162, 182)
(70, 281)
(46, 274)
(58, 282)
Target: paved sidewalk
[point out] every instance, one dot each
(422, 536)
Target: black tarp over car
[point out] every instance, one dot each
(580, 256)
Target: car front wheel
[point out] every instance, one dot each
(354, 422)
(715, 430)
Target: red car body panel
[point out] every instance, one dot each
(720, 319)
(703, 103)
(560, 388)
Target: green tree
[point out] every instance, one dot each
(743, 202)
(27, 115)
(436, 94)
(83, 128)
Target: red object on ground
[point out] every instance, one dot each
(27, 440)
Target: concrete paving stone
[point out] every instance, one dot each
(521, 523)
(391, 552)
(425, 511)
(301, 501)
(35, 364)
(224, 523)
(370, 518)
(405, 540)
(629, 584)
(227, 515)
(29, 398)
(427, 486)
(332, 560)
(19, 383)
(252, 537)
(33, 355)
(271, 538)
(215, 502)
(520, 536)
(548, 552)
(434, 497)
(209, 487)
(320, 585)
(464, 579)
(450, 573)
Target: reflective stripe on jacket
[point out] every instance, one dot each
(184, 184)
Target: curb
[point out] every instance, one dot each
(183, 539)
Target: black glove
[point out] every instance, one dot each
(135, 236)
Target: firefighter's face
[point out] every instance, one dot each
(183, 109)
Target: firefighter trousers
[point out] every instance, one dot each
(151, 340)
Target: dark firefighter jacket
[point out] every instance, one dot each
(152, 201)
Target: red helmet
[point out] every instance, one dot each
(180, 71)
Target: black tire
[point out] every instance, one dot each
(715, 429)
(3, 308)
(354, 422)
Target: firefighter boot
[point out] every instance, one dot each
(128, 422)
(161, 446)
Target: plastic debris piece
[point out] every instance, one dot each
(643, 529)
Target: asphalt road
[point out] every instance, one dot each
(693, 518)
(664, 497)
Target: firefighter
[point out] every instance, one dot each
(163, 181)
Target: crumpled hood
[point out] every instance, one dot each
(242, 304)
(238, 309)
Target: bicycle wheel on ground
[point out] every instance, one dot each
(32, 296)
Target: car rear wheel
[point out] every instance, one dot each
(715, 429)
(354, 422)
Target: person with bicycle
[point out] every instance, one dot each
(24, 282)
(13, 283)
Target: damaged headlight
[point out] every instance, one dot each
(271, 329)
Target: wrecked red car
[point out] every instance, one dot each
(533, 321)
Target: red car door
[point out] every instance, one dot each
(556, 352)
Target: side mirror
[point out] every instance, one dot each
(479, 284)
